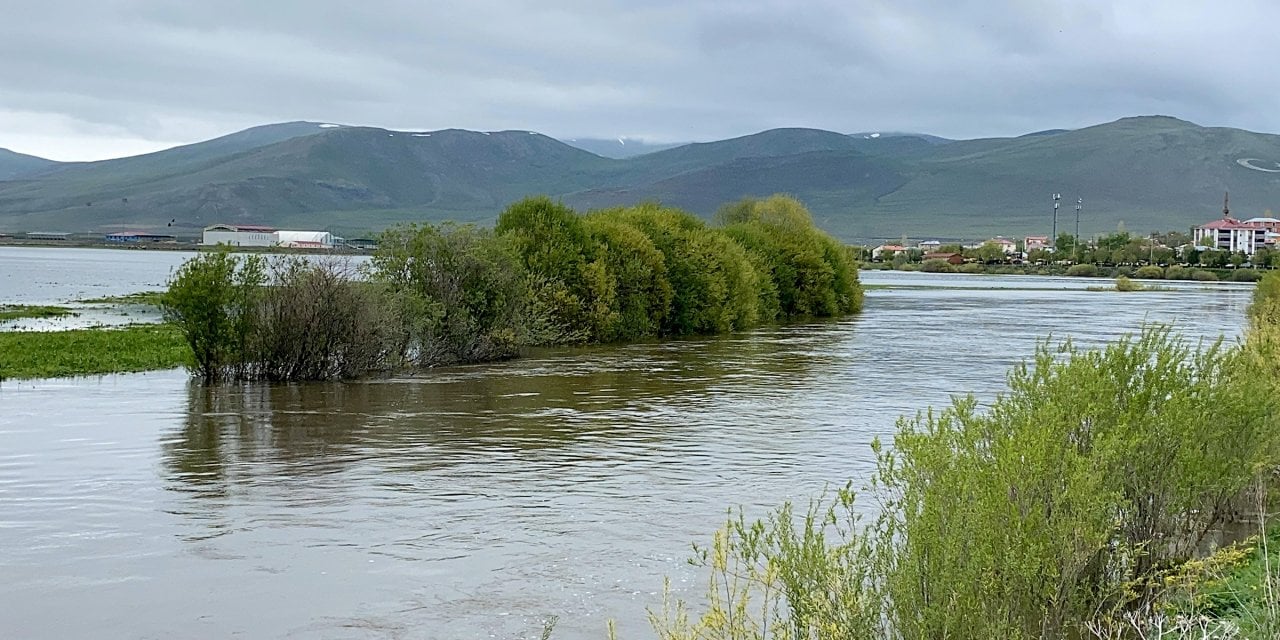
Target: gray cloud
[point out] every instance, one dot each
(87, 78)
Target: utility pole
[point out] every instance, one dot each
(1054, 238)
(1075, 250)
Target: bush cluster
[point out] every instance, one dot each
(446, 294)
(291, 319)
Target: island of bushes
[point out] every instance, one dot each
(544, 275)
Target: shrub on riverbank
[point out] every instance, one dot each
(1083, 271)
(460, 295)
(294, 319)
(1149, 272)
(937, 265)
(1055, 512)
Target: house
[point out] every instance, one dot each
(239, 235)
(890, 249)
(1230, 234)
(929, 245)
(1008, 246)
(953, 258)
(1273, 229)
(1034, 243)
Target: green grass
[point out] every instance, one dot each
(82, 352)
(19, 311)
(1242, 588)
(141, 297)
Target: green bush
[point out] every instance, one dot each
(627, 278)
(1204, 276)
(1265, 307)
(971, 267)
(1246, 275)
(461, 294)
(813, 274)
(1083, 271)
(1149, 272)
(937, 265)
(1123, 283)
(213, 301)
(713, 282)
(553, 244)
(1095, 469)
(1177, 272)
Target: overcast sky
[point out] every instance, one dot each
(89, 79)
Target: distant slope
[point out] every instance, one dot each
(331, 169)
(16, 165)
(1152, 173)
(617, 148)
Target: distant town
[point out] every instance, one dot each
(1226, 242)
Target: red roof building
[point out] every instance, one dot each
(1229, 234)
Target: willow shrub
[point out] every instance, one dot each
(813, 274)
(1094, 472)
(1265, 307)
(317, 321)
(460, 294)
(788, 576)
(629, 293)
(1054, 511)
(213, 301)
(247, 318)
(553, 244)
(712, 281)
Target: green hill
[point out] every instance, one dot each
(16, 165)
(1152, 173)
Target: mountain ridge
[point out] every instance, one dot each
(1151, 172)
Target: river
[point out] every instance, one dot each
(474, 502)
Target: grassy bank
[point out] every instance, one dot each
(21, 311)
(51, 354)
(1236, 589)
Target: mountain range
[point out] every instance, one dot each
(1144, 173)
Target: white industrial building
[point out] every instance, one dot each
(248, 235)
(305, 239)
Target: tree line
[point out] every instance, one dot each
(543, 275)
(1120, 248)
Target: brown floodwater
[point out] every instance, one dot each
(474, 502)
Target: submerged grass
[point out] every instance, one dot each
(81, 352)
(141, 297)
(20, 311)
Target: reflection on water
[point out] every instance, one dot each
(470, 502)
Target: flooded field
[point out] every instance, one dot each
(474, 502)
